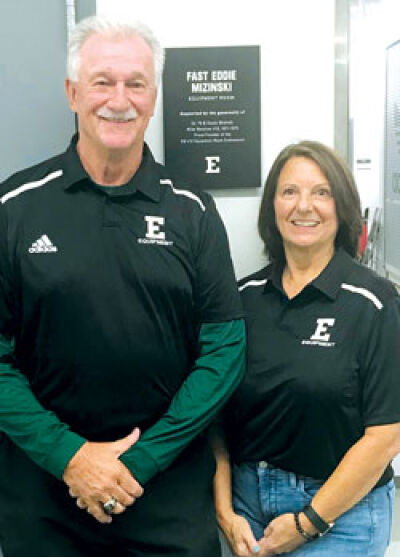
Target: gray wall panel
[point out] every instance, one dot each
(392, 163)
(84, 8)
(36, 121)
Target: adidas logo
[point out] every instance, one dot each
(43, 245)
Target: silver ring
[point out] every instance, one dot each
(110, 505)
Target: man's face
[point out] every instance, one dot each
(115, 94)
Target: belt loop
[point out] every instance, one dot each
(292, 480)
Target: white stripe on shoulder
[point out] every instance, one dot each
(364, 292)
(186, 193)
(31, 186)
(253, 283)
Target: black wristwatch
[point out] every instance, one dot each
(319, 523)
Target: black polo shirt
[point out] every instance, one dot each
(107, 290)
(322, 367)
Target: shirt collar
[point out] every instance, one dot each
(144, 180)
(274, 275)
(328, 282)
(334, 274)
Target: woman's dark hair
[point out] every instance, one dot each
(344, 192)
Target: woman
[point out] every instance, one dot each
(314, 425)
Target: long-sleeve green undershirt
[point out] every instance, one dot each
(51, 444)
(215, 375)
(48, 442)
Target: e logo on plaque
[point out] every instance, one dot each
(212, 165)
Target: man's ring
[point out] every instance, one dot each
(110, 505)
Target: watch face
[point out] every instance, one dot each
(330, 526)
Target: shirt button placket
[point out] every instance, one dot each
(107, 213)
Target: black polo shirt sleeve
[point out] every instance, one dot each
(215, 293)
(215, 375)
(381, 377)
(37, 431)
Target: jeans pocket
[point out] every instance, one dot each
(308, 486)
(380, 502)
(244, 482)
(246, 496)
(390, 493)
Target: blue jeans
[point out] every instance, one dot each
(262, 492)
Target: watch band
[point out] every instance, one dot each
(317, 521)
(308, 537)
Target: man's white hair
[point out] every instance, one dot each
(103, 25)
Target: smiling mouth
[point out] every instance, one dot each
(116, 120)
(305, 223)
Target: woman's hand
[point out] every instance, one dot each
(240, 536)
(281, 536)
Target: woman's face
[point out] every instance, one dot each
(305, 210)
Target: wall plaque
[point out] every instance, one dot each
(212, 127)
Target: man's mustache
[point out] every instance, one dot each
(120, 116)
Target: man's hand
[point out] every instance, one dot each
(95, 474)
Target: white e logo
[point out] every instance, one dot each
(322, 327)
(212, 167)
(154, 231)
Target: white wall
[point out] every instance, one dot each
(374, 26)
(297, 73)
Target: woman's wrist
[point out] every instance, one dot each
(301, 531)
(307, 525)
(225, 517)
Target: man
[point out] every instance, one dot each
(118, 311)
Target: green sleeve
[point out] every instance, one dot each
(215, 375)
(37, 431)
